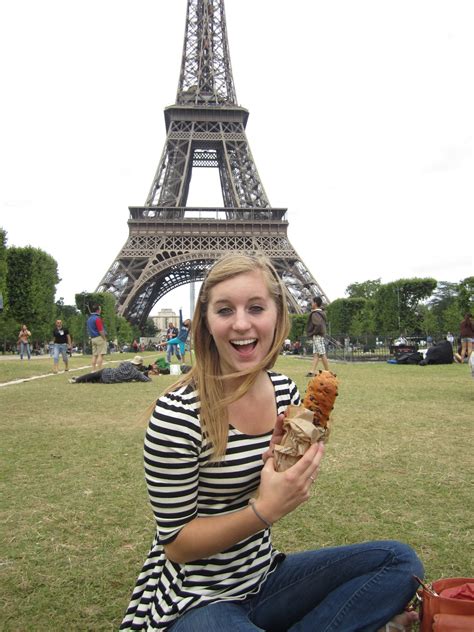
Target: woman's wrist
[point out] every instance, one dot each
(260, 516)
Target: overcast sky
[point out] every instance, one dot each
(361, 124)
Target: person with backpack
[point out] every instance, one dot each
(98, 335)
(316, 328)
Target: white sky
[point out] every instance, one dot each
(361, 123)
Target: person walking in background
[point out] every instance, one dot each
(467, 336)
(96, 330)
(24, 343)
(179, 340)
(128, 371)
(208, 449)
(316, 327)
(450, 338)
(61, 345)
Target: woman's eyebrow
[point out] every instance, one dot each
(231, 300)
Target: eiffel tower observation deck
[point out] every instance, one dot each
(171, 244)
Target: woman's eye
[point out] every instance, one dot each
(256, 309)
(224, 311)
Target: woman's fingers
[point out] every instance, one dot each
(276, 439)
(309, 463)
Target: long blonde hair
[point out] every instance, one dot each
(206, 373)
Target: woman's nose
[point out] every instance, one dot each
(241, 321)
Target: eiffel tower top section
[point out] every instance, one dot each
(206, 73)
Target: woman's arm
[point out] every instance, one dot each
(204, 537)
(279, 494)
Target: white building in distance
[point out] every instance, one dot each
(163, 318)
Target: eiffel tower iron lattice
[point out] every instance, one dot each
(171, 244)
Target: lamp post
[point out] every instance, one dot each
(398, 301)
(84, 329)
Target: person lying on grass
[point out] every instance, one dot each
(129, 371)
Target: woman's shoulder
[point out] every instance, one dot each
(284, 387)
(176, 413)
(184, 396)
(281, 380)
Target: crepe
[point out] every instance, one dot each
(307, 423)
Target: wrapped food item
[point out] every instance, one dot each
(307, 423)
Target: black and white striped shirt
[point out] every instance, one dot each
(182, 485)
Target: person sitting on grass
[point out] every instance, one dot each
(128, 371)
(215, 492)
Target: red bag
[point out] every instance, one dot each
(440, 613)
(452, 623)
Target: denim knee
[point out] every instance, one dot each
(408, 558)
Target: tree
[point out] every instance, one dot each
(126, 332)
(366, 289)
(466, 295)
(396, 305)
(342, 312)
(428, 322)
(8, 326)
(451, 318)
(3, 267)
(298, 326)
(149, 330)
(31, 286)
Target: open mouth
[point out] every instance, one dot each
(244, 346)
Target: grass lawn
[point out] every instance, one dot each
(76, 525)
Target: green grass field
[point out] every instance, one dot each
(76, 525)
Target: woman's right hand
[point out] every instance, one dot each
(282, 492)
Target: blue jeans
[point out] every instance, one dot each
(60, 350)
(172, 345)
(351, 588)
(25, 348)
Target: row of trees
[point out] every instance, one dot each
(410, 306)
(28, 279)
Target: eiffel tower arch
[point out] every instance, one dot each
(171, 244)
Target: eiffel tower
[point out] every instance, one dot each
(171, 244)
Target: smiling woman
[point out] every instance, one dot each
(208, 448)
(241, 319)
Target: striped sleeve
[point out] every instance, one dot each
(286, 392)
(172, 450)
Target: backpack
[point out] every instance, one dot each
(409, 358)
(441, 353)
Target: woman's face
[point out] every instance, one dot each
(241, 317)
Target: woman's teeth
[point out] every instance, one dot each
(242, 343)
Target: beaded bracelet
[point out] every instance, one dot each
(259, 515)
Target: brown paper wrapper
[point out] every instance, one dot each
(300, 434)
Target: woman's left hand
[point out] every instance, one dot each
(282, 492)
